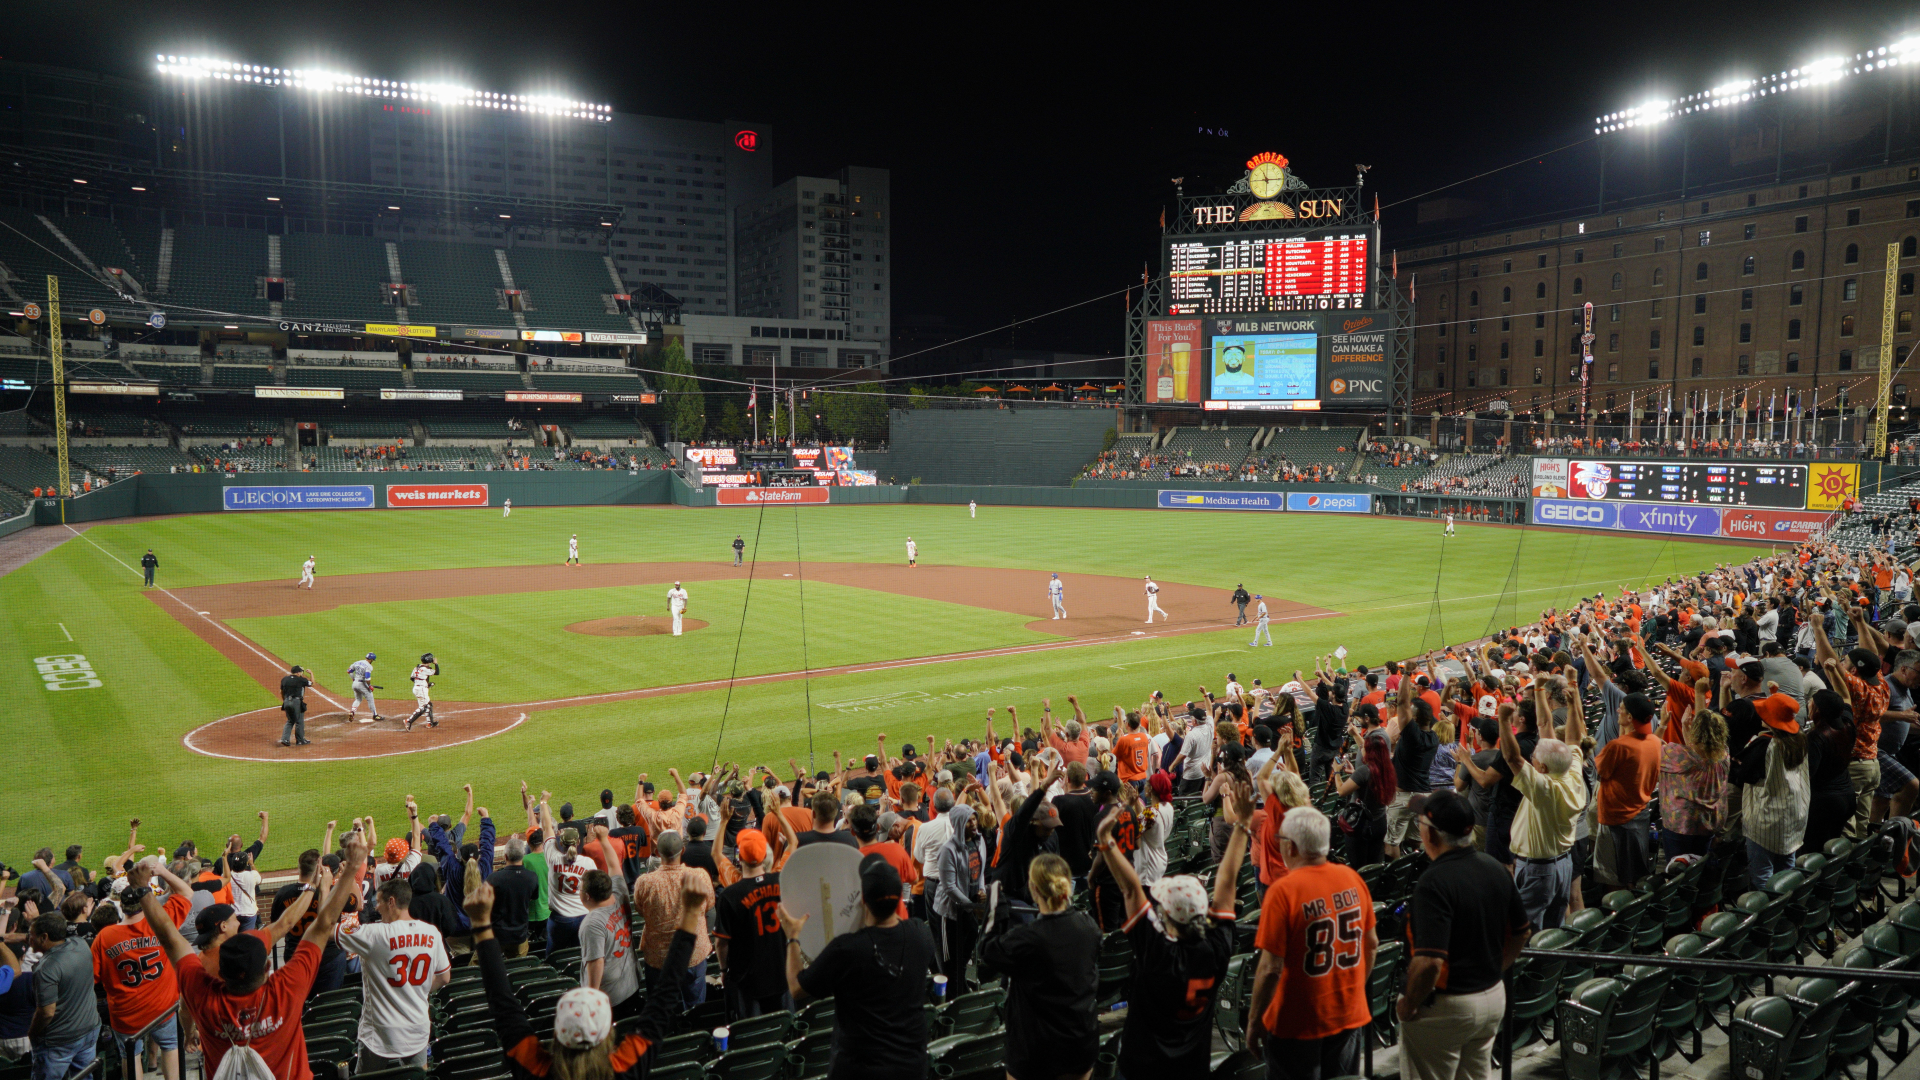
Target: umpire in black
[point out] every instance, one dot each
(1241, 600)
(149, 562)
(293, 701)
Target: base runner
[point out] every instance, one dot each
(423, 674)
(361, 672)
(1153, 601)
(1057, 592)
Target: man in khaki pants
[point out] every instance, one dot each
(1467, 926)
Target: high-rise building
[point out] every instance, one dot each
(818, 248)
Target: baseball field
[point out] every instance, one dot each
(565, 677)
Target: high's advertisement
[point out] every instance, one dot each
(1782, 526)
(347, 497)
(1175, 352)
(1549, 478)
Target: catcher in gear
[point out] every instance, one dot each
(423, 675)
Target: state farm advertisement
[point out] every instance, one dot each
(410, 496)
(782, 496)
(1779, 526)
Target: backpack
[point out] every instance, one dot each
(243, 1063)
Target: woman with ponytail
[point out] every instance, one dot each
(1371, 786)
(1052, 966)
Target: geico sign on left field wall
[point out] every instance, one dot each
(400, 496)
(69, 671)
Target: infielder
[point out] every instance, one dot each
(1153, 601)
(677, 604)
(739, 549)
(913, 552)
(306, 573)
(1261, 627)
(973, 509)
(1057, 592)
(573, 550)
(1449, 531)
(423, 674)
(506, 509)
(361, 672)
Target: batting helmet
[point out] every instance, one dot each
(370, 656)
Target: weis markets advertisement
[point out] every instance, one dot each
(771, 496)
(410, 496)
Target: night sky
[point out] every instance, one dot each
(1031, 153)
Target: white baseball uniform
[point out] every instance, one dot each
(1057, 592)
(973, 509)
(398, 961)
(306, 572)
(563, 889)
(573, 549)
(1449, 524)
(677, 604)
(1261, 625)
(913, 552)
(361, 672)
(506, 509)
(1153, 602)
(423, 683)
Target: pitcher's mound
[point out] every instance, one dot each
(634, 626)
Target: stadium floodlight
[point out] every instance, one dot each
(326, 81)
(1819, 72)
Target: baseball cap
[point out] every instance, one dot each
(880, 887)
(396, 849)
(873, 762)
(566, 811)
(753, 846)
(1640, 707)
(1182, 899)
(582, 1018)
(1105, 783)
(1779, 712)
(606, 797)
(206, 925)
(243, 959)
(1256, 596)
(1046, 816)
(1444, 810)
(908, 751)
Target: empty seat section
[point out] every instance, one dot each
(219, 269)
(453, 283)
(566, 288)
(335, 277)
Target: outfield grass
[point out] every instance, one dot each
(90, 759)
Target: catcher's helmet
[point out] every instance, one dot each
(426, 658)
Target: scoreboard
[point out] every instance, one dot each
(1773, 486)
(1275, 272)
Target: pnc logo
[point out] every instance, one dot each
(1357, 386)
(746, 140)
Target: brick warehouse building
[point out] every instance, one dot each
(1764, 283)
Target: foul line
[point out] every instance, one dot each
(64, 630)
(248, 645)
(1183, 656)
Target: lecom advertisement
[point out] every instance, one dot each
(410, 496)
(772, 496)
(1173, 348)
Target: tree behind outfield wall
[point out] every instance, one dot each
(858, 412)
(686, 405)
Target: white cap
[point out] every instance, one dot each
(582, 1018)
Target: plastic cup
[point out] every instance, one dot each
(940, 987)
(720, 1040)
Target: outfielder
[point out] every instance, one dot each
(973, 509)
(1261, 628)
(1057, 592)
(506, 509)
(739, 549)
(1449, 531)
(677, 604)
(306, 573)
(573, 550)
(913, 552)
(1153, 601)
(361, 672)
(423, 674)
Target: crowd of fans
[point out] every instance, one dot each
(1697, 447)
(1742, 716)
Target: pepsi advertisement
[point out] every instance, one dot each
(1330, 504)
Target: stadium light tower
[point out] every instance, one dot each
(318, 80)
(1819, 72)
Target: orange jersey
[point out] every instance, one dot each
(1130, 756)
(1316, 921)
(130, 965)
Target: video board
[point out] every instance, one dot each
(1318, 270)
(1772, 486)
(1277, 362)
(1264, 367)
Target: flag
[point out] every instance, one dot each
(1396, 265)
(1376, 208)
(753, 398)
(1163, 219)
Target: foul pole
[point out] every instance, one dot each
(56, 351)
